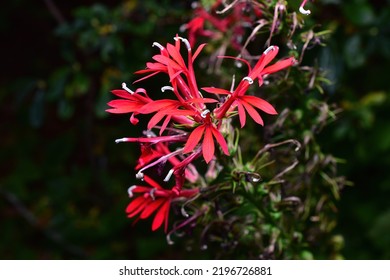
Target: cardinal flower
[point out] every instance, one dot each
(247, 103)
(153, 199)
(212, 23)
(131, 102)
(208, 131)
(151, 153)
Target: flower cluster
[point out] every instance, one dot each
(190, 125)
(230, 22)
(211, 24)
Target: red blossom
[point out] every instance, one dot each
(154, 199)
(150, 153)
(213, 23)
(131, 102)
(208, 131)
(238, 97)
(187, 124)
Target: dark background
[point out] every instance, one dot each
(63, 180)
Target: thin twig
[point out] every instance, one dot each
(284, 171)
(270, 146)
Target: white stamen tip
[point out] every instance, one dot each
(249, 79)
(130, 190)
(271, 48)
(164, 88)
(184, 212)
(185, 41)
(169, 175)
(204, 113)
(139, 175)
(124, 86)
(158, 45)
(120, 140)
(151, 193)
(303, 11)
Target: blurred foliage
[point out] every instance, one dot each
(357, 59)
(62, 192)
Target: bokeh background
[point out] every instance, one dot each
(63, 180)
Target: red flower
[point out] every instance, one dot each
(192, 130)
(196, 26)
(238, 97)
(154, 199)
(208, 131)
(131, 102)
(219, 23)
(171, 62)
(150, 153)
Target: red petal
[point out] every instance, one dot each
(194, 139)
(133, 119)
(198, 50)
(175, 54)
(141, 189)
(221, 141)
(121, 93)
(260, 103)
(241, 114)
(155, 119)
(270, 55)
(253, 113)
(166, 61)
(216, 90)
(158, 105)
(165, 124)
(179, 112)
(201, 100)
(280, 65)
(208, 145)
(264, 60)
(136, 206)
(146, 77)
(153, 206)
(173, 73)
(120, 106)
(161, 216)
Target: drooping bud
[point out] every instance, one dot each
(302, 9)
